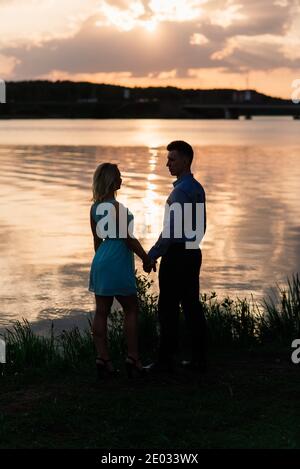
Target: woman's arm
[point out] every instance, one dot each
(134, 245)
(97, 240)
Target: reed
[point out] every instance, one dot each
(231, 323)
(280, 320)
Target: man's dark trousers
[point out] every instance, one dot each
(179, 284)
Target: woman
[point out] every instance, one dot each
(112, 271)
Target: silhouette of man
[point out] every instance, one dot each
(181, 260)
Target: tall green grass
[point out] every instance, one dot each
(231, 323)
(280, 320)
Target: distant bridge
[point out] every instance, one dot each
(234, 111)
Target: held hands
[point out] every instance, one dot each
(149, 264)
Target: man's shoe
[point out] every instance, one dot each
(134, 368)
(160, 367)
(193, 365)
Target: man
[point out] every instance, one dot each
(181, 261)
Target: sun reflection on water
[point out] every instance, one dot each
(253, 230)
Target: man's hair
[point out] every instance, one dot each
(183, 148)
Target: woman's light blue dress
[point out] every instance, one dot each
(112, 270)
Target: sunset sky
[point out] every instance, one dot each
(185, 43)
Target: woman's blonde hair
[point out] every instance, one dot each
(104, 180)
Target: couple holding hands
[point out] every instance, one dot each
(112, 272)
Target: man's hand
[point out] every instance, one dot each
(149, 265)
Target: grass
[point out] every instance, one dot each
(249, 399)
(246, 401)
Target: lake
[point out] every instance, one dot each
(249, 169)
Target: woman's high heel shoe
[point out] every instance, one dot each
(134, 369)
(104, 370)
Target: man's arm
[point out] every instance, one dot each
(179, 197)
(163, 243)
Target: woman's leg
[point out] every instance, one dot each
(130, 307)
(99, 329)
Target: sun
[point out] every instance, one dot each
(150, 26)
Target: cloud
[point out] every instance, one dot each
(198, 39)
(104, 49)
(121, 78)
(32, 22)
(124, 19)
(227, 16)
(112, 77)
(251, 17)
(126, 15)
(262, 52)
(176, 10)
(157, 39)
(281, 3)
(160, 10)
(7, 66)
